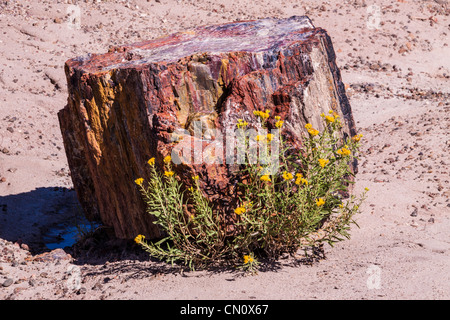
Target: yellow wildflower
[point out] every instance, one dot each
(299, 175)
(279, 124)
(287, 175)
(344, 152)
(341, 205)
(300, 180)
(265, 178)
(168, 173)
(139, 238)
(242, 124)
(323, 162)
(259, 137)
(357, 137)
(269, 137)
(278, 118)
(263, 115)
(329, 118)
(313, 132)
(248, 259)
(195, 178)
(239, 210)
(151, 161)
(320, 202)
(167, 159)
(367, 189)
(139, 181)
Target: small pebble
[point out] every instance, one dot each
(82, 290)
(8, 282)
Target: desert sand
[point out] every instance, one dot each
(394, 57)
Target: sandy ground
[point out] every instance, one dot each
(398, 80)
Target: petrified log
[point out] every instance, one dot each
(125, 106)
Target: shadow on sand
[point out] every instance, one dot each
(48, 218)
(43, 218)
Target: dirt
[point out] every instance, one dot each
(397, 75)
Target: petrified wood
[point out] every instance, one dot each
(125, 106)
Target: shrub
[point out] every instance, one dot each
(300, 206)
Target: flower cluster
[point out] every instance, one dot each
(300, 180)
(344, 151)
(357, 137)
(167, 159)
(241, 124)
(261, 137)
(279, 122)
(320, 202)
(139, 238)
(323, 162)
(287, 176)
(274, 213)
(248, 259)
(311, 130)
(331, 117)
(261, 114)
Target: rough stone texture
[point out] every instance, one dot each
(54, 255)
(124, 106)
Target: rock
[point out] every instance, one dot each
(7, 282)
(124, 107)
(82, 290)
(52, 256)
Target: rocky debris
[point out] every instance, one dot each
(378, 90)
(52, 256)
(124, 105)
(361, 63)
(24, 276)
(424, 155)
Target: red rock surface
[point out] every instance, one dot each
(125, 105)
